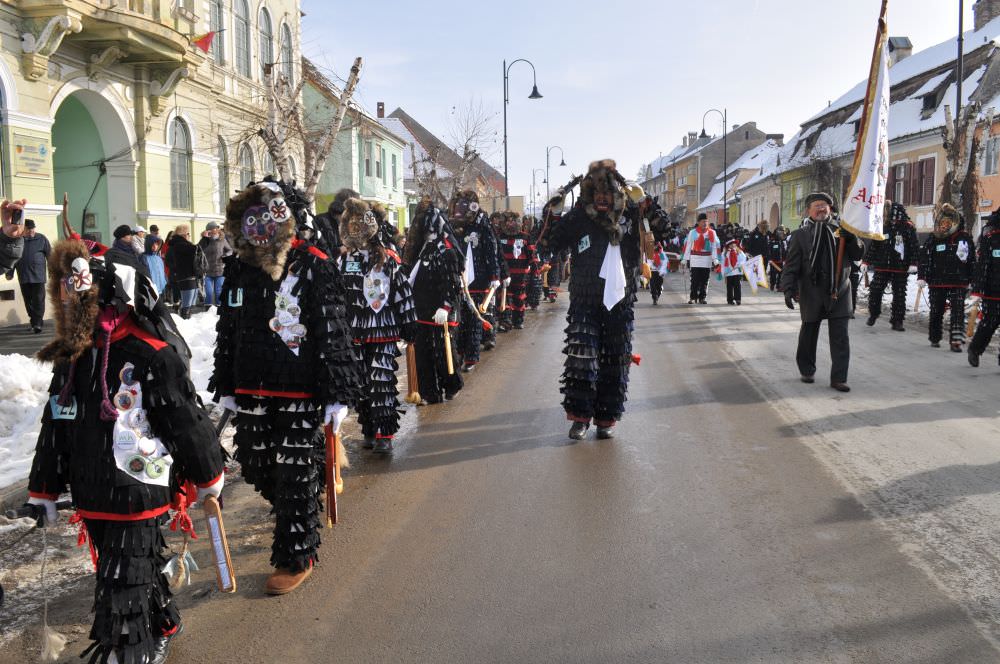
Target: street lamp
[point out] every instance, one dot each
(506, 100)
(725, 158)
(562, 162)
(534, 188)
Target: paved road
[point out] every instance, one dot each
(717, 527)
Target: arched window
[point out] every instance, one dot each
(241, 17)
(216, 21)
(180, 165)
(268, 163)
(223, 157)
(246, 166)
(266, 52)
(287, 59)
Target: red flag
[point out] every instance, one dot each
(204, 42)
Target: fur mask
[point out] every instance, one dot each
(358, 225)
(464, 209)
(602, 195)
(947, 221)
(511, 224)
(258, 219)
(73, 288)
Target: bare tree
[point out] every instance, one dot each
(963, 150)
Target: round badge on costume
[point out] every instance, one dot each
(124, 401)
(147, 446)
(156, 468)
(285, 318)
(126, 440)
(127, 374)
(136, 464)
(295, 310)
(298, 330)
(274, 325)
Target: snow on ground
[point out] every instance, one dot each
(24, 386)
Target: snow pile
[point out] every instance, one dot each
(24, 388)
(24, 384)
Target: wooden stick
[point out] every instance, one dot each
(224, 575)
(841, 247)
(447, 350)
(331, 476)
(485, 306)
(412, 379)
(970, 326)
(503, 299)
(916, 301)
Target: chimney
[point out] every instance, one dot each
(692, 137)
(900, 48)
(985, 11)
(777, 138)
(684, 141)
(380, 109)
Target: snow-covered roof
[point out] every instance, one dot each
(399, 128)
(919, 63)
(655, 167)
(716, 195)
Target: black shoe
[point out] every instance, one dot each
(468, 368)
(973, 358)
(369, 443)
(690, 301)
(161, 649)
(654, 300)
(730, 302)
(702, 301)
(956, 346)
(935, 344)
(578, 430)
(840, 387)
(738, 303)
(448, 396)
(518, 326)
(807, 379)
(36, 330)
(898, 327)
(605, 432)
(871, 321)
(489, 345)
(383, 446)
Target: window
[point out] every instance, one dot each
(215, 23)
(246, 166)
(990, 158)
(266, 53)
(241, 17)
(267, 163)
(897, 184)
(287, 59)
(926, 172)
(180, 165)
(223, 167)
(368, 158)
(379, 159)
(395, 182)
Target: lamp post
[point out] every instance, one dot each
(725, 157)
(562, 162)
(534, 188)
(506, 100)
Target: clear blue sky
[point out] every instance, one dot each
(619, 79)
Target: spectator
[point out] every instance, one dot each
(12, 237)
(31, 271)
(154, 230)
(139, 240)
(154, 262)
(216, 247)
(187, 264)
(123, 252)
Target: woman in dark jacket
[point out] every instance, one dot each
(187, 265)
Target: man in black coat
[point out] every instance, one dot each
(31, 273)
(759, 242)
(808, 278)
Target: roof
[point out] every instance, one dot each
(716, 195)
(657, 165)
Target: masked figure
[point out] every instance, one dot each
(380, 310)
(285, 362)
(123, 429)
(986, 287)
(947, 263)
(893, 259)
(519, 255)
(531, 228)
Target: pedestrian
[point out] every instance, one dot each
(471, 226)
(658, 268)
(986, 287)
(154, 263)
(328, 223)
(809, 279)
(776, 256)
(701, 253)
(122, 250)
(286, 364)
(122, 429)
(139, 239)
(12, 237)
(154, 230)
(187, 265)
(947, 264)
(893, 259)
(758, 243)
(31, 274)
(216, 248)
(733, 259)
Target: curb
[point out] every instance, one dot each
(14, 495)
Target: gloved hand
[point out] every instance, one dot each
(790, 298)
(912, 269)
(214, 489)
(228, 403)
(506, 282)
(921, 283)
(494, 284)
(51, 513)
(441, 316)
(334, 414)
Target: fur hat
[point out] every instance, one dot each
(122, 231)
(74, 324)
(603, 177)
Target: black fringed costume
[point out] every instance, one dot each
(947, 261)
(987, 286)
(284, 351)
(474, 231)
(436, 265)
(124, 430)
(534, 295)
(519, 255)
(892, 258)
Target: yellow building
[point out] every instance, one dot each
(114, 103)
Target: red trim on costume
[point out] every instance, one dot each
(380, 436)
(430, 322)
(577, 418)
(131, 328)
(171, 631)
(275, 393)
(987, 297)
(885, 269)
(520, 270)
(312, 249)
(607, 424)
(377, 340)
(210, 482)
(44, 496)
(947, 285)
(636, 359)
(394, 255)
(447, 244)
(111, 516)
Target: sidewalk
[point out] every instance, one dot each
(19, 338)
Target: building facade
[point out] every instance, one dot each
(113, 103)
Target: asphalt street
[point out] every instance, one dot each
(738, 516)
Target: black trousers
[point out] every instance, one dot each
(840, 348)
(470, 332)
(987, 326)
(432, 368)
(733, 289)
(656, 285)
(34, 302)
(877, 289)
(956, 298)
(699, 282)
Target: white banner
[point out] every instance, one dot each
(756, 273)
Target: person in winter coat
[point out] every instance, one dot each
(31, 274)
(154, 263)
(123, 429)
(139, 240)
(328, 223)
(187, 265)
(809, 279)
(12, 236)
(986, 287)
(733, 259)
(893, 259)
(701, 252)
(758, 243)
(215, 246)
(947, 263)
(122, 250)
(776, 256)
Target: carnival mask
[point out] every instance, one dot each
(360, 230)
(261, 223)
(511, 225)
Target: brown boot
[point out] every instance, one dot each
(283, 581)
